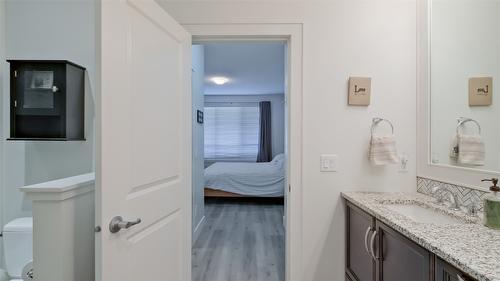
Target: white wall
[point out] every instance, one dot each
(48, 29)
(277, 114)
(465, 43)
(198, 180)
(341, 38)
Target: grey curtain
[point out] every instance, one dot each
(265, 141)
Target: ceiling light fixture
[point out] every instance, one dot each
(219, 80)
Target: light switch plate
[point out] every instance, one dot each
(328, 162)
(359, 90)
(480, 91)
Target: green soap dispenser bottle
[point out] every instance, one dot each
(492, 206)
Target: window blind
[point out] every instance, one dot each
(231, 133)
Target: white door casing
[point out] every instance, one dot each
(292, 34)
(143, 165)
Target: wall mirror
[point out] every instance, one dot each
(464, 77)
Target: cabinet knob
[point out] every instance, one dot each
(55, 89)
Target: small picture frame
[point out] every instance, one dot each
(199, 116)
(480, 91)
(359, 91)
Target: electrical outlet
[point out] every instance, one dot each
(328, 163)
(435, 158)
(403, 163)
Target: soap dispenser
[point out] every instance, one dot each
(492, 206)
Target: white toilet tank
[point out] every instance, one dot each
(18, 245)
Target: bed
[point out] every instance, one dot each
(237, 179)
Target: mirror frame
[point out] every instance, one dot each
(462, 176)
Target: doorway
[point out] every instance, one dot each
(292, 34)
(239, 174)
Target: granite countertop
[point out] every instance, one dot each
(469, 246)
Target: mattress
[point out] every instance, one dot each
(248, 179)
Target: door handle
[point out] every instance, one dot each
(372, 245)
(117, 223)
(368, 230)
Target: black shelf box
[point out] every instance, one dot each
(47, 100)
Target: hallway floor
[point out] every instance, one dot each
(242, 240)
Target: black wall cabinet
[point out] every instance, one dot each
(47, 100)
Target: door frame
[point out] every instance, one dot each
(292, 35)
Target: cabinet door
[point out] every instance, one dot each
(38, 89)
(399, 259)
(446, 272)
(360, 266)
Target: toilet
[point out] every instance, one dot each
(18, 246)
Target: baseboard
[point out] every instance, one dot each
(198, 229)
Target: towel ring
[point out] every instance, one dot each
(377, 120)
(463, 120)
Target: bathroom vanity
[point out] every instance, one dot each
(405, 236)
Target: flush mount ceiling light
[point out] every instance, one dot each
(219, 80)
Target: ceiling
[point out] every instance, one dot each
(253, 68)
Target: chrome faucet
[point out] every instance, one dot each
(473, 208)
(439, 190)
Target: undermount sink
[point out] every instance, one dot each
(422, 214)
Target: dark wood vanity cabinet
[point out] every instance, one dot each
(376, 252)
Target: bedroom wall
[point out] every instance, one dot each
(277, 114)
(47, 29)
(340, 38)
(198, 149)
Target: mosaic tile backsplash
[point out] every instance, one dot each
(465, 194)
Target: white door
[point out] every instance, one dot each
(143, 143)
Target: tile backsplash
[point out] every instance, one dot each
(465, 195)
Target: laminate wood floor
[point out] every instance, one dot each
(242, 240)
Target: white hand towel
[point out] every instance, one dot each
(383, 150)
(471, 150)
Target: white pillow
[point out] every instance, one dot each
(278, 159)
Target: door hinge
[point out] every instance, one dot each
(15, 73)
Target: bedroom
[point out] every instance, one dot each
(239, 167)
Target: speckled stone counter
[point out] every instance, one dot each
(469, 246)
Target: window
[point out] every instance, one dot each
(231, 132)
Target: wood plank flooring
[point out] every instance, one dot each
(242, 240)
